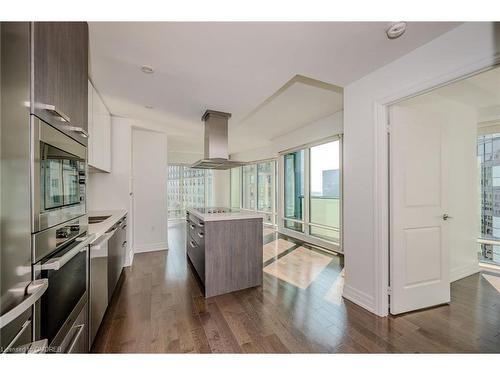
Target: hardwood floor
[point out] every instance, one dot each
(159, 308)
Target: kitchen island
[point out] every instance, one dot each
(225, 248)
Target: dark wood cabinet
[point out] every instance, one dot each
(60, 73)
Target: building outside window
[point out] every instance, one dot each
(488, 156)
(253, 188)
(188, 187)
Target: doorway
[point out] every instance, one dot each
(444, 203)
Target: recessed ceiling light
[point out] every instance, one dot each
(147, 69)
(396, 30)
(149, 106)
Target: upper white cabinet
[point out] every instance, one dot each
(99, 148)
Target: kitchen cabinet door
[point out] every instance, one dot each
(100, 134)
(60, 72)
(90, 123)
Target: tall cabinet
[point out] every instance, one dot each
(100, 132)
(60, 71)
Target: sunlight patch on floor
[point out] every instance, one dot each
(493, 280)
(300, 267)
(334, 294)
(274, 248)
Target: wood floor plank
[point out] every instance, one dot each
(159, 307)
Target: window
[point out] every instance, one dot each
(235, 187)
(249, 187)
(312, 193)
(324, 203)
(253, 187)
(265, 178)
(188, 187)
(488, 156)
(294, 190)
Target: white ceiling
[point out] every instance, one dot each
(234, 67)
(480, 91)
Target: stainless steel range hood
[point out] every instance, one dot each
(216, 146)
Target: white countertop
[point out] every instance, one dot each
(240, 215)
(100, 228)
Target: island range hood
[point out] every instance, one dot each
(216, 154)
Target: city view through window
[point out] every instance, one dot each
(488, 155)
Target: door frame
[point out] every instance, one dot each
(381, 173)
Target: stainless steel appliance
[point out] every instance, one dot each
(98, 284)
(61, 255)
(216, 154)
(107, 258)
(18, 291)
(59, 171)
(116, 259)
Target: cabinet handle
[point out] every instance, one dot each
(192, 226)
(78, 129)
(200, 234)
(33, 293)
(124, 243)
(55, 112)
(200, 224)
(192, 244)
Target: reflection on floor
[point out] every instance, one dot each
(159, 308)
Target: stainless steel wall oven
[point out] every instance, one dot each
(61, 314)
(59, 172)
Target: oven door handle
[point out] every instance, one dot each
(33, 292)
(57, 263)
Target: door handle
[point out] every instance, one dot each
(446, 217)
(34, 291)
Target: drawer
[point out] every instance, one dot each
(195, 220)
(196, 254)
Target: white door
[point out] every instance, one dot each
(419, 235)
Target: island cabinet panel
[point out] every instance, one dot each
(233, 255)
(60, 72)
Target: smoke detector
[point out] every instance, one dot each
(396, 30)
(147, 69)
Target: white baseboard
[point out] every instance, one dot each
(145, 248)
(359, 298)
(464, 271)
(130, 258)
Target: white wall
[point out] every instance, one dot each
(110, 191)
(460, 142)
(460, 51)
(149, 185)
(326, 127)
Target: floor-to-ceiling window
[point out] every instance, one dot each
(236, 187)
(188, 187)
(293, 208)
(488, 154)
(324, 206)
(249, 187)
(253, 187)
(311, 192)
